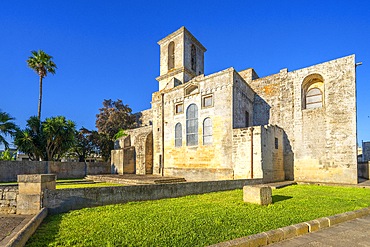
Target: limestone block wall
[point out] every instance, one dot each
(144, 118)
(202, 161)
(61, 201)
(134, 154)
(243, 97)
(320, 142)
(365, 151)
(266, 149)
(10, 169)
(8, 199)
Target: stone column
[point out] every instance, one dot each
(31, 188)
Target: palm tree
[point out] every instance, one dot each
(42, 64)
(7, 127)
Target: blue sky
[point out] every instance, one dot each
(108, 49)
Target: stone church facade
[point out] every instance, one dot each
(298, 125)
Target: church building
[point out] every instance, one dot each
(293, 125)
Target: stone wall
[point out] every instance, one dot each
(365, 151)
(10, 169)
(134, 152)
(320, 142)
(8, 199)
(266, 148)
(144, 118)
(200, 161)
(363, 170)
(59, 201)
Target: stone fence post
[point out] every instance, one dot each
(31, 188)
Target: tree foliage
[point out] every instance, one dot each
(85, 144)
(6, 155)
(7, 128)
(48, 140)
(113, 117)
(31, 140)
(42, 64)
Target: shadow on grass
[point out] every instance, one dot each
(278, 198)
(47, 232)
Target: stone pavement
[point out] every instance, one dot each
(351, 233)
(11, 224)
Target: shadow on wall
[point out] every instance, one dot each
(288, 159)
(261, 116)
(261, 111)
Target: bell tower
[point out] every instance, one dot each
(181, 59)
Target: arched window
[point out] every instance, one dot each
(313, 98)
(192, 125)
(207, 131)
(171, 55)
(193, 58)
(313, 92)
(178, 135)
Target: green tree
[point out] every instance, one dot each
(105, 144)
(7, 128)
(59, 136)
(48, 140)
(113, 117)
(6, 155)
(31, 140)
(42, 64)
(84, 144)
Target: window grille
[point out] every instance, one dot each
(192, 125)
(207, 131)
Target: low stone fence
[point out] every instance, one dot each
(59, 201)
(8, 199)
(38, 191)
(10, 169)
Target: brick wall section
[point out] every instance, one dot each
(10, 169)
(8, 199)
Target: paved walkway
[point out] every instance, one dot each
(11, 224)
(351, 233)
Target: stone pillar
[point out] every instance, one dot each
(31, 188)
(258, 194)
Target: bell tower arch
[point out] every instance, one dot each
(181, 58)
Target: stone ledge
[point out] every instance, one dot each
(20, 238)
(287, 232)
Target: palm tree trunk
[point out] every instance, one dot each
(40, 99)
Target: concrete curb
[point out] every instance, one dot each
(26, 232)
(287, 232)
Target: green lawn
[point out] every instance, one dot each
(197, 220)
(73, 185)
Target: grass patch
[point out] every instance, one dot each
(85, 185)
(196, 220)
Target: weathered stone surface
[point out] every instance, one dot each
(291, 139)
(274, 236)
(289, 232)
(261, 195)
(313, 225)
(9, 170)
